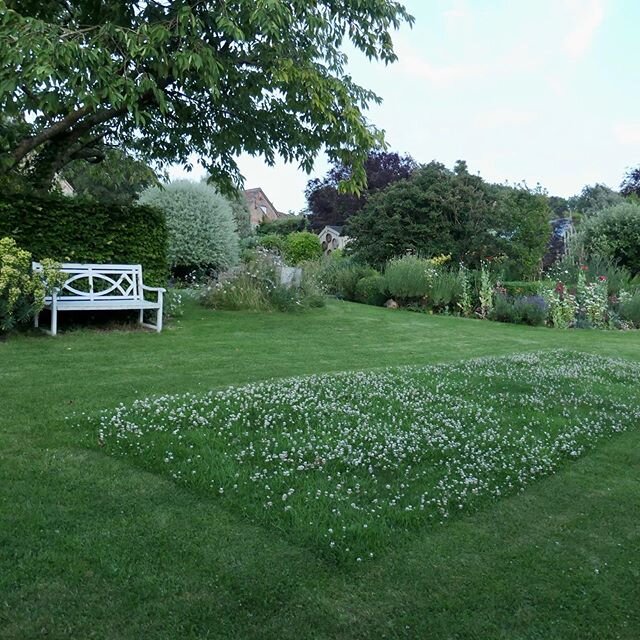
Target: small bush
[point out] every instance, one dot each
(445, 290)
(630, 310)
(301, 246)
(272, 242)
(531, 310)
(370, 290)
(345, 280)
(282, 298)
(504, 310)
(408, 278)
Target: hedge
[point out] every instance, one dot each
(69, 229)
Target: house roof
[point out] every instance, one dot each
(335, 228)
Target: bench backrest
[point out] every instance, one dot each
(99, 281)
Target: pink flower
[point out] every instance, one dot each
(584, 267)
(602, 278)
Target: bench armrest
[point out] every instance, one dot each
(158, 289)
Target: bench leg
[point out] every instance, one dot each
(158, 324)
(36, 320)
(141, 316)
(54, 321)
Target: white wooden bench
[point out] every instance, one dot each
(101, 287)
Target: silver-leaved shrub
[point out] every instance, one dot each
(200, 223)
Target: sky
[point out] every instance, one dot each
(541, 91)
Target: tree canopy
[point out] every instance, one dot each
(439, 210)
(328, 204)
(594, 198)
(170, 78)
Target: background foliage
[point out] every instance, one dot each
(283, 226)
(119, 178)
(594, 198)
(328, 205)
(613, 233)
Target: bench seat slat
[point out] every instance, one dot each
(97, 305)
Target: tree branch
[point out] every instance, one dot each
(29, 144)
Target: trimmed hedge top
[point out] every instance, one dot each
(76, 230)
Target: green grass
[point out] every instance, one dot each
(347, 463)
(93, 546)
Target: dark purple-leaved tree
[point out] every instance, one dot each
(329, 206)
(631, 184)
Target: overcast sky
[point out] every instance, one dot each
(544, 91)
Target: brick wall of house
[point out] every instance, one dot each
(260, 206)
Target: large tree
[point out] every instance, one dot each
(168, 78)
(447, 211)
(329, 204)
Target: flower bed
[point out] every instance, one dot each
(350, 463)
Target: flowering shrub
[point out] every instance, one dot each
(411, 278)
(22, 292)
(486, 291)
(465, 303)
(173, 306)
(255, 286)
(568, 269)
(347, 463)
(444, 292)
(594, 304)
(531, 310)
(562, 306)
(439, 261)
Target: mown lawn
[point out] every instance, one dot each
(93, 546)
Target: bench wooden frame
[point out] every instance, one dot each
(119, 286)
